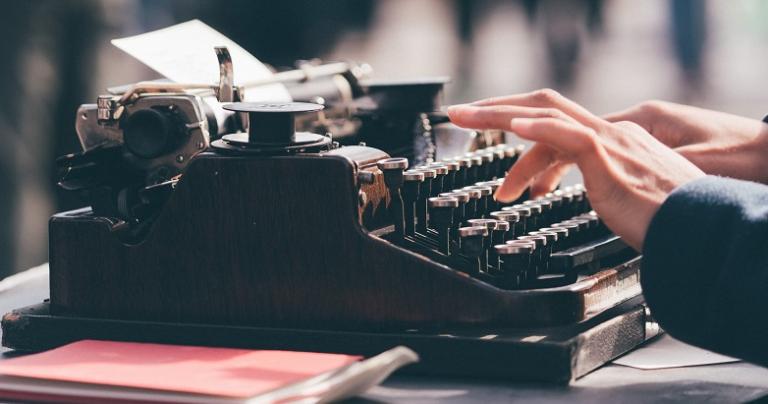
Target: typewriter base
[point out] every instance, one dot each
(554, 354)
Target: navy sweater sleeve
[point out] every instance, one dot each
(705, 266)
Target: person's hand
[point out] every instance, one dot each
(718, 143)
(627, 172)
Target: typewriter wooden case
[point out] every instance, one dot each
(285, 241)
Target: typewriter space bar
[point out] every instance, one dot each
(594, 250)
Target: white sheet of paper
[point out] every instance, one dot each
(666, 352)
(184, 53)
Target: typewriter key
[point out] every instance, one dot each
(461, 176)
(472, 245)
(539, 256)
(425, 191)
(441, 211)
(441, 171)
(450, 179)
(393, 169)
(487, 243)
(524, 212)
(573, 233)
(474, 198)
(475, 171)
(546, 212)
(498, 163)
(459, 214)
(548, 248)
(514, 261)
(511, 217)
(510, 156)
(486, 194)
(562, 236)
(412, 181)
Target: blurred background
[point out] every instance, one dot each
(605, 54)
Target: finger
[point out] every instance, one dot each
(498, 116)
(545, 98)
(557, 139)
(538, 159)
(549, 179)
(633, 114)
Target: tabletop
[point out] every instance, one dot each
(730, 382)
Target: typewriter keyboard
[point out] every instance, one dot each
(445, 211)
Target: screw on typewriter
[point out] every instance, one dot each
(272, 130)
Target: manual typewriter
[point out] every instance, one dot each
(283, 226)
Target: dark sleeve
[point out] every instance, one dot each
(705, 266)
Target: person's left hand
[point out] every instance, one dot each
(627, 172)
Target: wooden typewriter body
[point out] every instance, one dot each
(292, 251)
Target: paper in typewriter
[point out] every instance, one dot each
(184, 53)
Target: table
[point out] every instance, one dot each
(733, 382)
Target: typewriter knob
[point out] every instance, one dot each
(272, 129)
(149, 133)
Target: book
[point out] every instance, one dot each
(96, 371)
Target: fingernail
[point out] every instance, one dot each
(453, 108)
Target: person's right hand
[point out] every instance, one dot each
(627, 172)
(717, 142)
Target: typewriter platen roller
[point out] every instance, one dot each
(278, 238)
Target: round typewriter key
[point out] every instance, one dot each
(412, 181)
(498, 236)
(514, 259)
(425, 191)
(486, 194)
(533, 219)
(441, 172)
(500, 233)
(393, 169)
(474, 197)
(546, 211)
(573, 233)
(562, 236)
(524, 212)
(473, 246)
(475, 172)
(450, 179)
(394, 163)
(441, 212)
(460, 213)
(488, 241)
(539, 256)
(461, 175)
(510, 216)
(548, 248)
(462, 196)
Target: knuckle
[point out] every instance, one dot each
(546, 96)
(653, 107)
(590, 142)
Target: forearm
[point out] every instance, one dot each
(705, 271)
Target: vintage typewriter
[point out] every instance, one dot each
(354, 229)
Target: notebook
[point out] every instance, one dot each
(95, 371)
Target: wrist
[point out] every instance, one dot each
(758, 150)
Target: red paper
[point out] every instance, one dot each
(224, 372)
